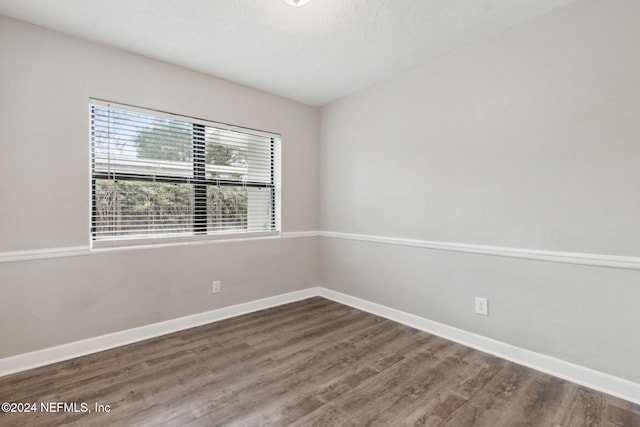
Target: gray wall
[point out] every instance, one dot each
(528, 140)
(46, 80)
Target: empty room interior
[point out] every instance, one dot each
(320, 212)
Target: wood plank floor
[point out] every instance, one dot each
(310, 363)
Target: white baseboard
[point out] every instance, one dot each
(35, 359)
(590, 378)
(596, 380)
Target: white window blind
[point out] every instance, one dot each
(156, 175)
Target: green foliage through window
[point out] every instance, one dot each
(149, 178)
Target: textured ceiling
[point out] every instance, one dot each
(314, 54)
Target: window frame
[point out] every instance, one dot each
(197, 180)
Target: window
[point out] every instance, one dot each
(159, 175)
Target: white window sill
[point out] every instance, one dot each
(163, 242)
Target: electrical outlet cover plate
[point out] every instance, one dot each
(482, 306)
(216, 287)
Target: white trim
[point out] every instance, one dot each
(597, 260)
(299, 234)
(164, 244)
(44, 253)
(596, 380)
(593, 379)
(22, 362)
(216, 239)
(29, 255)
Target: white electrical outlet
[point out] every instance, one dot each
(482, 306)
(216, 287)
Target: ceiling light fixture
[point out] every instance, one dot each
(297, 2)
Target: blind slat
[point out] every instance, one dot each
(131, 149)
